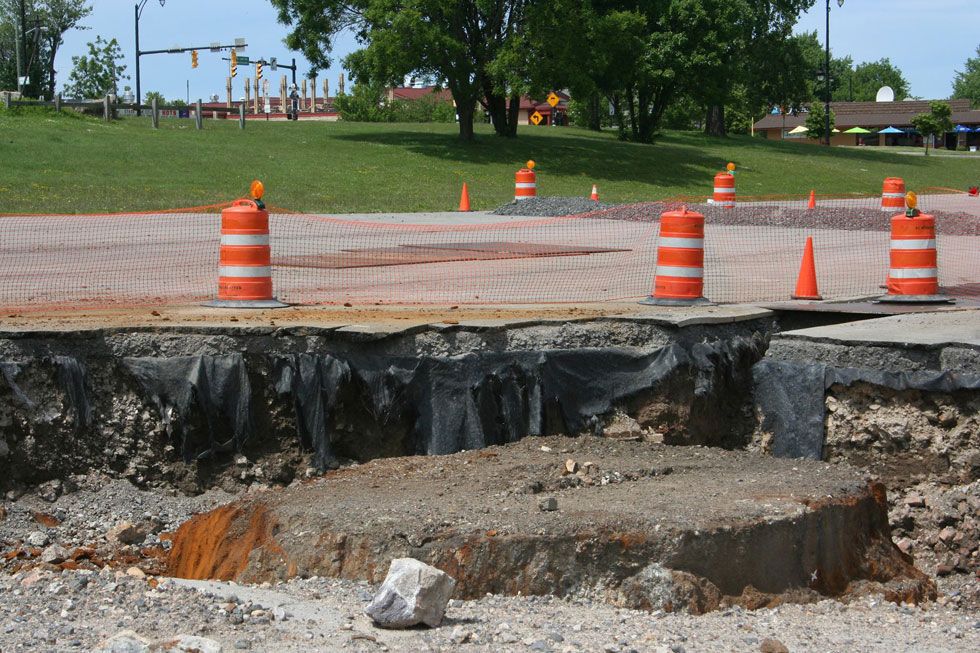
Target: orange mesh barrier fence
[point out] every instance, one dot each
(752, 254)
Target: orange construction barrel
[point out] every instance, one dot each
(893, 194)
(679, 276)
(245, 272)
(525, 184)
(913, 266)
(724, 194)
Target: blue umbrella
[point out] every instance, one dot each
(962, 130)
(891, 130)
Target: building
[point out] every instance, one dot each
(876, 116)
(529, 105)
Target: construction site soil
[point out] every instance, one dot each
(87, 543)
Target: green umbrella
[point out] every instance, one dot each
(858, 130)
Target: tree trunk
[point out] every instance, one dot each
(595, 117)
(465, 111)
(512, 113)
(497, 106)
(714, 123)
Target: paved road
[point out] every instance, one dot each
(166, 259)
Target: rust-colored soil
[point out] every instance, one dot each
(734, 522)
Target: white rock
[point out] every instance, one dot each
(412, 593)
(125, 641)
(188, 644)
(54, 554)
(37, 538)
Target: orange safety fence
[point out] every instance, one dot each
(752, 254)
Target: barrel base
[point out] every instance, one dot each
(663, 301)
(914, 299)
(245, 303)
(815, 298)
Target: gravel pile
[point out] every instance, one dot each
(552, 207)
(939, 526)
(822, 217)
(77, 610)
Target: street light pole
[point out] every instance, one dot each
(826, 105)
(138, 11)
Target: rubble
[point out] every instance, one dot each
(412, 593)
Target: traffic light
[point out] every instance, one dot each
(258, 70)
(234, 64)
(193, 58)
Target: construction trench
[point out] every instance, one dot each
(676, 460)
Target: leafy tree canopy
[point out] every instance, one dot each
(97, 74)
(46, 22)
(966, 85)
(935, 123)
(816, 123)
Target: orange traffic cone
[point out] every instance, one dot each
(812, 204)
(595, 194)
(806, 284)
(464, 199)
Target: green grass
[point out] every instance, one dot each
(56, 164)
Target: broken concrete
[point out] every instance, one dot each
(920, 364)
(179, 406)
(638, 525)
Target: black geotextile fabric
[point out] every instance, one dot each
(214, 389)
(9, 373)
(455, 403)
(790, 397)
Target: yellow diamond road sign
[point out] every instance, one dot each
(536, 118)
(553, 99)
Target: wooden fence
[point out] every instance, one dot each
(110, 108)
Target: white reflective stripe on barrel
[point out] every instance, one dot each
(245, 271)
(902, 195)
(685, 243)
(524, 184)
(724, 190)
(521, 198)
(926, 243)
(679, 271)
(244, 240)
(913, 273)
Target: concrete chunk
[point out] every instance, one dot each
(412, 593)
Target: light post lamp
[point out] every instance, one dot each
(826, 104)
(138, 11)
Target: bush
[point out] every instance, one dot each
(369, 104)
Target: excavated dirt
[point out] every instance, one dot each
(635, 524)
(905, 436)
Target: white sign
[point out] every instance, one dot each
(23, 81)
(268, 106)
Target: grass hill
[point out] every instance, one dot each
(67, 164)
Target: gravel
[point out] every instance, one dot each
(73, 610)
(552, 207)
(772, 215)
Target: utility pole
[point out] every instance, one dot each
(21, 47)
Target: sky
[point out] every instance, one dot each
(927, 39)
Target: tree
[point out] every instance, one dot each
(816, 124)
(869, 76)
(58, 17)
(46, 22)
(98, 74)
(966, 85)
(457, 42)
(935, 123)
(155, 95)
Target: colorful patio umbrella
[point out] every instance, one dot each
(857, 130)
(799, 130)
(961, 129)
(891, 130)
